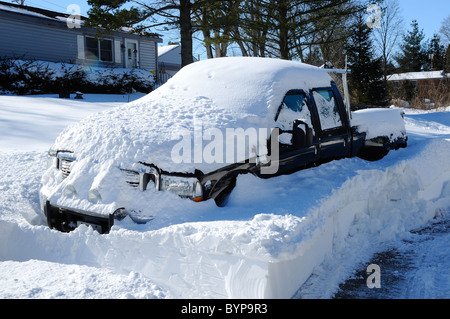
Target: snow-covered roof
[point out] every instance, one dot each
(221, 93)
(417, 76)
(171, 55)
(47, 14)
(35, 12)
(166, 48)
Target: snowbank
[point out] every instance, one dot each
(25, 77)
(305, 230)
(267, 255)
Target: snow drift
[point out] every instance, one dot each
(267, 256)
(270, 242)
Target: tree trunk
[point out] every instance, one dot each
(186, 33)
(283, 40)
(207, 40)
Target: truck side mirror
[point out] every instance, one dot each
(302, 135)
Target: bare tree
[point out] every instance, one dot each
(389, 33)
(445, 29)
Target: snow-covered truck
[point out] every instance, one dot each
(193, 136)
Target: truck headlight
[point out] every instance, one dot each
(94, 196)
(183, 186)
(70, 191)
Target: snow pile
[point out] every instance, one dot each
(268, 255)
(298, 235)
(26, 77)
(83, 282)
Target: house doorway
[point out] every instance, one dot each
(132, 54)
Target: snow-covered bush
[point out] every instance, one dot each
(18, 76)
(115, 80)
(25, 77)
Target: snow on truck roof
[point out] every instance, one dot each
(242, 83)
(234, 92)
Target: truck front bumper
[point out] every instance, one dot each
(67, 219)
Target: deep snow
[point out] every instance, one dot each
(203, 96)
(294, 236)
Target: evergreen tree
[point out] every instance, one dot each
(365, 81)
(436, 52)
(447, 60)
(413, 56)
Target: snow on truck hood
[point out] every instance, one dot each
(238, 92)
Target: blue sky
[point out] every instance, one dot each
(429, 13)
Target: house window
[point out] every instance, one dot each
(99, 49)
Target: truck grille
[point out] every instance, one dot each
(139, 179)
(65, 167)
(65, 163)
(131, 177)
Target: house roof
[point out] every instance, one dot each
(166, 49)
(54, 16)
(170, 55)
(414, 76)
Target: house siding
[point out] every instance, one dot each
(36, 40)
(173, 57)
(32, 37)
(148, 55)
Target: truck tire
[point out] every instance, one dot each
(374, 149)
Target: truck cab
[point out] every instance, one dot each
(314, 128)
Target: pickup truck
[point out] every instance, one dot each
(193, 136)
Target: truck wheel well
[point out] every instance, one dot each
(223, 188)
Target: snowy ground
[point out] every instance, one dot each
(301, 236)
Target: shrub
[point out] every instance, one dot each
(18, 76)
(425, 96)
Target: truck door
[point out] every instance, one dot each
(295, 109)
(334, 137)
